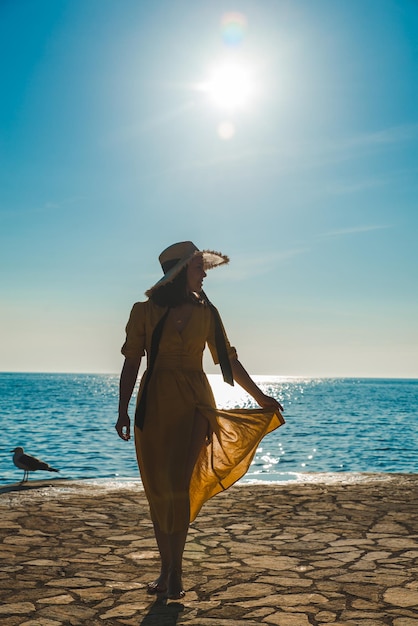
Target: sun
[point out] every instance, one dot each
(230, 85)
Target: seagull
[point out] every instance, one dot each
(29, 463)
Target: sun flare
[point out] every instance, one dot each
(230, 85)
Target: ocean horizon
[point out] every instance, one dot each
(336, 428)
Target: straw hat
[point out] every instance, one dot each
(177, 256)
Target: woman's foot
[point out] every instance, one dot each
(175, 589)
(158, 586)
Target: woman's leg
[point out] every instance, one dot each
(177, 540)
(160, 584)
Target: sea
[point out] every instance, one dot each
(336, 428)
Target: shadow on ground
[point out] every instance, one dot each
(162, 614)
(34, 484)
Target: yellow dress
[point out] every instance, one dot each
(178, 388)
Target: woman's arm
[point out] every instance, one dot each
(127, 382)
(242, 377)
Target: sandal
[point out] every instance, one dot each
(155, 588)
(176, 596)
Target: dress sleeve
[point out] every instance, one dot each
(232, 353)
(134, 345)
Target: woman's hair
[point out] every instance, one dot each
(174, 293)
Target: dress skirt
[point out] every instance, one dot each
(163, 445)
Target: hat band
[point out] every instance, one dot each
(167, 265)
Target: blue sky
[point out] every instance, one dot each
(110, 151)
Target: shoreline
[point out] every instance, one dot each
(128, 483)
(290, 554)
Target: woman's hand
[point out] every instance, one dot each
(123, 427)
(267, 402)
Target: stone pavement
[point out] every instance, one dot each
(286, 555)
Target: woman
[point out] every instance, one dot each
(187, 449)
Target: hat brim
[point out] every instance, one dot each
(211, 259)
